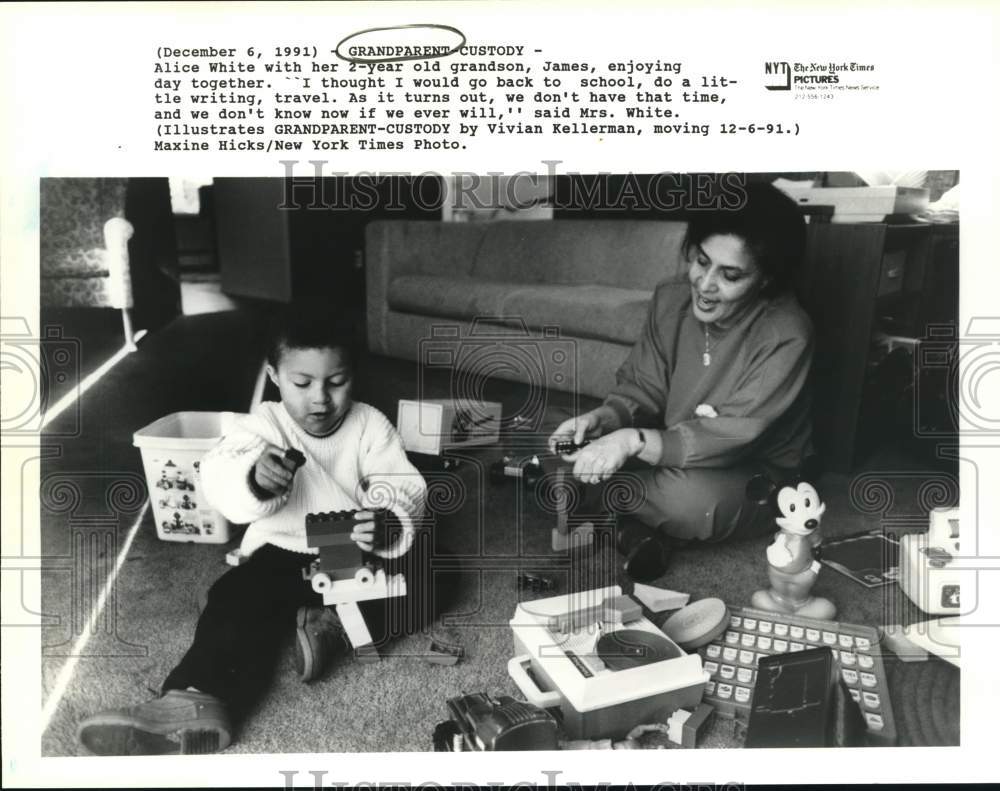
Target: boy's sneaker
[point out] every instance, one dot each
(181, 722)
(319, 636)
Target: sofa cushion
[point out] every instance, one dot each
(632, 254)
(447, 297)
(587, 311)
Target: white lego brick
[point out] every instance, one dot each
(660, 599)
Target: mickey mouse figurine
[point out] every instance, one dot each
(793, 567)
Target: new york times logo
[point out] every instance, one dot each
(777, 75)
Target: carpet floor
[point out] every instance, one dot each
(92, 494)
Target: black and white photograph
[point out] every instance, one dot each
(608, 394)
(598, 432)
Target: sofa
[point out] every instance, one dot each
(557, 303)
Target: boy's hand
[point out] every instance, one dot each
(364, 532)
(273, 472)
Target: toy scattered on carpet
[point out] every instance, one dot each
(682, 730)
(536, 583)
(793, 567)
(595, 659)
(527, 470)
(482, 723)
(444, 648)
(658, 599)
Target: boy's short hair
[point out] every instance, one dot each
(298, 327)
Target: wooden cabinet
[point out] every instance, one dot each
(282, 240)
(859, 279)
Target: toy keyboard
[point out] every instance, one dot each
(731, 660)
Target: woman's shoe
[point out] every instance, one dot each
(646, 555)
(181, 722)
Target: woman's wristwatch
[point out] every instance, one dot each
(642, 442)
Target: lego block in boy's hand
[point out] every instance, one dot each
(334, 528)
(295, 456)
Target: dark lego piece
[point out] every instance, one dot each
(537, 583)
(566, 446)
(295, 457)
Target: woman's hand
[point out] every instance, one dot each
(603, 457)
(589, 425)
(273, 472)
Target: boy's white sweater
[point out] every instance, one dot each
(361, 465)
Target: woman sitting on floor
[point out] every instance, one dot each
(714, 391)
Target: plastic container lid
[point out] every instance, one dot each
(185, 430)
(697, 624)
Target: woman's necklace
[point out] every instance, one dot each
(706, 357)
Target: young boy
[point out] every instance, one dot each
(354, 459)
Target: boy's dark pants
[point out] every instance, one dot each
(252, 607)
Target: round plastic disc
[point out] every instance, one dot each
(628, 648)
(697, 624)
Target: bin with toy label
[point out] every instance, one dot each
(172, 448)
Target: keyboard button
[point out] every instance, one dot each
(781, 646)
(846, 641)
(724, 691)
(744, 675)
(750, 623)
(732, 638)
(850, 676)
(797, 647)
(764, 643)
(735, 621)
(856, 694)
(866, 662)
(710, 688)
(812, 635)
(874, 720)
(869, 680)
(742, 695)
(848, 659)
(714, 651)
(727, 672)
(871, 700)
(781, 629)
(747, 640)
(829, 638)
(764, 627)
(729, 654)
(863, 643)
(746, 657)
(711, 668)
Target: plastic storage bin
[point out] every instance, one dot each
(171, 449)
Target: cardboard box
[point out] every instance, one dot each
(434, 425)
